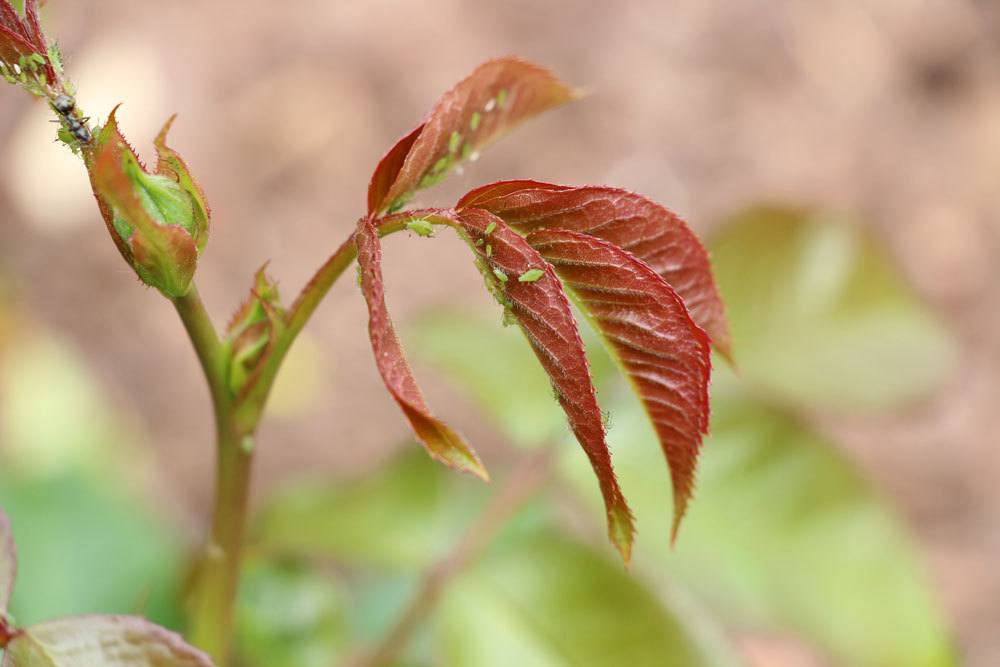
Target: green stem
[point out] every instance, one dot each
(215, 586)
(214, 592)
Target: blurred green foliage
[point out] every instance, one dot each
(820, 317)
(290, 615)
(784, 536)
(86, 543)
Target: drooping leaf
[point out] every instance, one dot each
(548, 602)
(441, 441)
(664, 354)
(630, 221)
(101, 641)
(543, 312)
(402, 516)
(786, 536)
(496, 97)
(8, 562)
(822, 317)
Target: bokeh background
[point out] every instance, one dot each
(877, 121)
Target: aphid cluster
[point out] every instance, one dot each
(65, 106)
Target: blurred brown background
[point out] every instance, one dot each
(887, 109)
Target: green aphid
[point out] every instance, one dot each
(248, 444)
(421, 227)
(436, 173)
(466, 151)
(489, 250)
(475, 120)
(480, 242)
(501, 276)
(502, 98)
(530, 276)
(490, 227)
(454, 141)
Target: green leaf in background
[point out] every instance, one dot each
(84, 548)
(101, 641)
(820, 317)
(783, 535)
(403, 515)
(548, 602)
(8, 562)
(496, 366)
(52, 418)
(86, 544)
(289, 616)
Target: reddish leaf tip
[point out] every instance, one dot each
(441, 442)
(621, 529)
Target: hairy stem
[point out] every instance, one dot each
(521, 484)
(214, 593)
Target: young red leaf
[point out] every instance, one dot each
(23, 38)
(8, 562)
(496, 97)
(440, 440)
(530, 292)
(630, 221)
(662, 351)
(107, 641)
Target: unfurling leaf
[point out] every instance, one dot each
(440, 440)
(496, 97)
(24, 54)
(8, 562)
(664, 354)
(104, 641)
(539, 305)
(630, 221)
(158, 220)
(252, 333)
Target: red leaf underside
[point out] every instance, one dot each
(661, 350)
(542, 310)
(443, 443)
(630, 221)
(496, 97)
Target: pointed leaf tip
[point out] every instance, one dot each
(662, 352)
(443, 443)
(630, 221)
(498, 95)
(542, 310)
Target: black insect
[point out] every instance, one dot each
(78, 130)
(64, 105)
